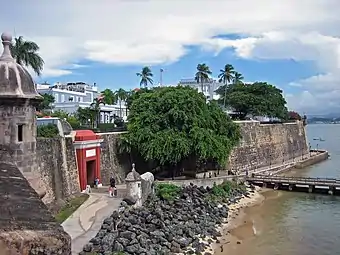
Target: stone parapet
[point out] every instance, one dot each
(26, 225)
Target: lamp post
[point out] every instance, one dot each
(283, 157)
(270, 161)
(310, 150)
(293, 154)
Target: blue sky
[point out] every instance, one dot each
(276, 72)
(108, 41)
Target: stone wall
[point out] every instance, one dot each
(57, 167)
(262, 145)
(111, 162)
(268, 144)
(26, 225)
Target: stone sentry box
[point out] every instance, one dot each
(139, 187)
(87, 146)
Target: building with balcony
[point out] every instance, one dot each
(209, 87)
(70, 96)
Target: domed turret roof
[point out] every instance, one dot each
(15, 81)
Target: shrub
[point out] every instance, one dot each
(47, 131)
(167, 191)
(225, 189)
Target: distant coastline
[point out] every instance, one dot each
(323, 120)
(319, 122)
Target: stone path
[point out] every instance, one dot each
(86, 221)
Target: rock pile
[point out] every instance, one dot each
(163, 226)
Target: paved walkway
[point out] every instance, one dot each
(86, 221)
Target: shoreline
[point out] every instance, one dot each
(235, 219)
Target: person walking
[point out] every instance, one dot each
(112, 186)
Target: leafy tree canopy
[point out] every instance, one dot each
(294, 116)
(46, 103)
(257, 99)
(47, 131)
(170, 124)
(26, 53)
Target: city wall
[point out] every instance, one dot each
(268, 144)
(57, 166)
(262, 145)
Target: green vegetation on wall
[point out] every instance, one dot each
(47, 131)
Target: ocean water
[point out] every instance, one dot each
(296, 223)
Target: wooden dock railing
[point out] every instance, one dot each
(294, 180)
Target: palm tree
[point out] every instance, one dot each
(109, 97)
(202, 75)
(238, 78)
(26, 53)
(226, 76)
(95, 107)
(146, 77)
(122, 96)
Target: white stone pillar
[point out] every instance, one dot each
(134, 186)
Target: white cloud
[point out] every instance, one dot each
(157, 31)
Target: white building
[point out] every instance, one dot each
(209, 87)
(70, 96)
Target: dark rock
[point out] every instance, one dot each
(164, 227)
(129, 200)
(118, 246)
(128, 235)
(88, 247)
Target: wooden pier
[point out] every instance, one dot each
(303, 184)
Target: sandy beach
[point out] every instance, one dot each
(236, 220)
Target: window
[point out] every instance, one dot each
(20, 132)
(62, 98)
(56, 98)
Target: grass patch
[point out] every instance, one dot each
(224, 190)
(167, 191)
(71, 206)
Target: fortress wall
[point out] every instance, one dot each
(56, 164)
(268, 144)
(262, 145)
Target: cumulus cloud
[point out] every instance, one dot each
(154, 31)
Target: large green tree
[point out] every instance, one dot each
(86, 116)
(145, 77)
(109, 97)
(46, 103)
(168, 125)
(257, 99)
(202, 74)
(26, 53)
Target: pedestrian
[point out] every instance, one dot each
(96, 182)
(112, 185)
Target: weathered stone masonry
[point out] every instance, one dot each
(261, 145)
(268, 144)
(26, 225)
(57, 167)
